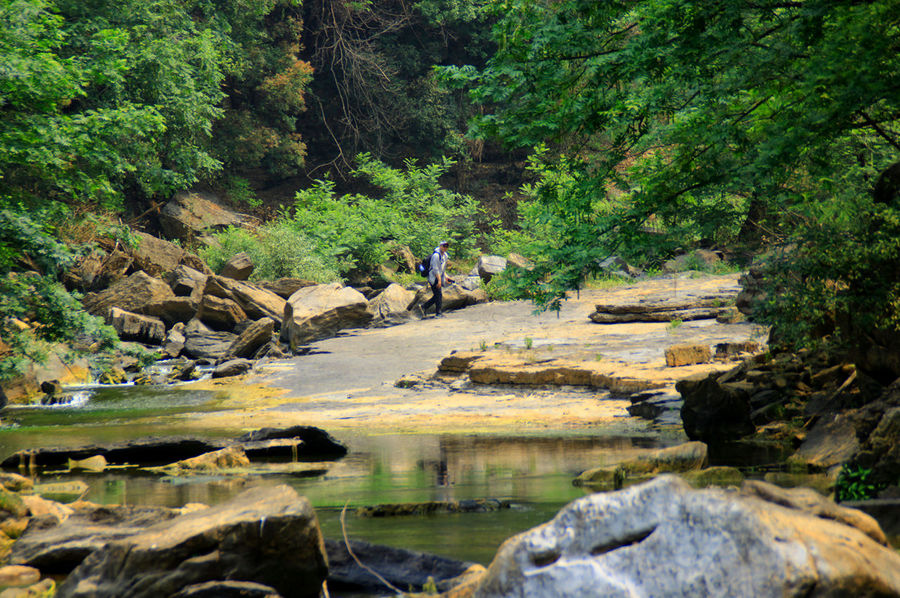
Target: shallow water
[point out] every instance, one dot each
(534, 472)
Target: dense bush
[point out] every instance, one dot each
(277, 250)
(413, 209)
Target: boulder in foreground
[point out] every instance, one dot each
(269, 536)
(664, 539)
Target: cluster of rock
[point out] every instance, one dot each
(225, 319)
(474, 505)
(264, 542)
(690, 461)
(718, 306)
(846, 417)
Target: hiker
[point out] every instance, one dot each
(437, 278)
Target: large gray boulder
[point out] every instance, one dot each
(490, 265)
(220, 313)
(186, 281)
(239, 267)
(155, 256)
(252, 338)
(454, 296)
(202, 343)
(265, 535)
(256, 301)
(392, 300)
(285, 287)
(130, 294)
(188, 215)
(172, 309)
(318, 312)
(135, 327)
(662, 538)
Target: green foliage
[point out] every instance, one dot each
(841, 276)
(278, 250)
(240, 192)
(529, 342)
(413, 210)
(673, 121)
(35, 309)
(853, 483)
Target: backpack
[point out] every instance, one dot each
(424, 267)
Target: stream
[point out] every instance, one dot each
(533, 471)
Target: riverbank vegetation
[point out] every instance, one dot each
(653, 128)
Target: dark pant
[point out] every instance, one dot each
(437, 299)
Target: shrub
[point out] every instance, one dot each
(277, 250)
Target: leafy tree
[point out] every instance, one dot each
(730, 121)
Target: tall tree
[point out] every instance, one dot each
(697, 119)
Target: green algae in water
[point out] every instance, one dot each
(116, 404)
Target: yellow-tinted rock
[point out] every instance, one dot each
(680, 355)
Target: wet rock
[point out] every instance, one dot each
(15, 482)
(476, 505)
(689, 456)
(830, 442)
(62, 492)
(663, 538)
(173, 344)
(285, 287)
(51, 387)
(681, 355)
(392, 300)
(402, 568)
(318, 312)
(134, 327)
(232, 367)
(95, 463)
(264, 535)
(149, 451)
(187, 215)
(719, 475)
(220, 313)
(316, 441)
(12, 503)
(228, 589)
(130, 294)
(239, 267)
(226, 458)
(715, 411)
(114, 375)
(252, 338)
(256, 301)
(203, 343)
(18, 575)
(43, 589)
(489, 266)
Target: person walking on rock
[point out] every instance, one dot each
(437, 278)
